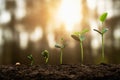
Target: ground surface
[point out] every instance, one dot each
(60, 72)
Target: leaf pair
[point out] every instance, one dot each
(30, 57)
(79, 36)
(104, 30)
(102, 19)
(62, 45)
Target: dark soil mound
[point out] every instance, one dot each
(60, 72)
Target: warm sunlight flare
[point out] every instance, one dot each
(91, 4)
(95, 43)
(69, 13)
(51, 40)
(37, 34)
(23, 40)
(1, 40)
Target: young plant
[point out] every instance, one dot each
(102, 31)
(45, 54)
(30, 57)
(80, 36)
(61, 47)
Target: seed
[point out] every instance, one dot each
(17, 64)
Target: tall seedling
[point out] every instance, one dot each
(102, 31)
(80, 36)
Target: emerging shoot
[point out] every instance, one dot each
(45, 54)
(61, 47)
(102, 31)
(30, 57)
(80, 36)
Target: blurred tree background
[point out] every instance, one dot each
(30, 26)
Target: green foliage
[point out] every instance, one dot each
(102, 32)
(45, 54)
(80, 36)
(84, 31)
(30, 57)
(61, 47)
(103, 17)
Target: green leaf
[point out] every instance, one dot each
(82, 38)
(76, 33)
(84, 31)
(30, 57)
(103, 17)
(79, 35)
(104, 30)
(97, 31)
(57, 45)
(45, 54)
(75, 37)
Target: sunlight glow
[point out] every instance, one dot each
(8, 36)
(20, 11)
(95, 44)
(91, 4)
(117, 37)
(1, 38)
(51, 40)
(37, 34)
(23, 40)
(117, 33)
(95, 37)
(5, 17)
(69, 13)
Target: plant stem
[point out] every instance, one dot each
(61, 56)
(47, 58)
(32, 62)
(46, 61)
(81, 46)
(102, 48)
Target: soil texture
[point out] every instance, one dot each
(60, 72)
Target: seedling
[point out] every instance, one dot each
(61, 47)
(102, 31)
(80, 36)
(45, 54)
(30, 57)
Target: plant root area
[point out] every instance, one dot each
(60, 72)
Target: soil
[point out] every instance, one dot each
(60, 72)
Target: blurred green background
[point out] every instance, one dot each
(30, 26)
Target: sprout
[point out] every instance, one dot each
(101, 32)
(61, 47)
(45, 54)
(30, 57)
(80, 36)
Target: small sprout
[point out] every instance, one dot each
(30, 57)
(101, 32)
(45, 54)
(80, 36)
(61, 47)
